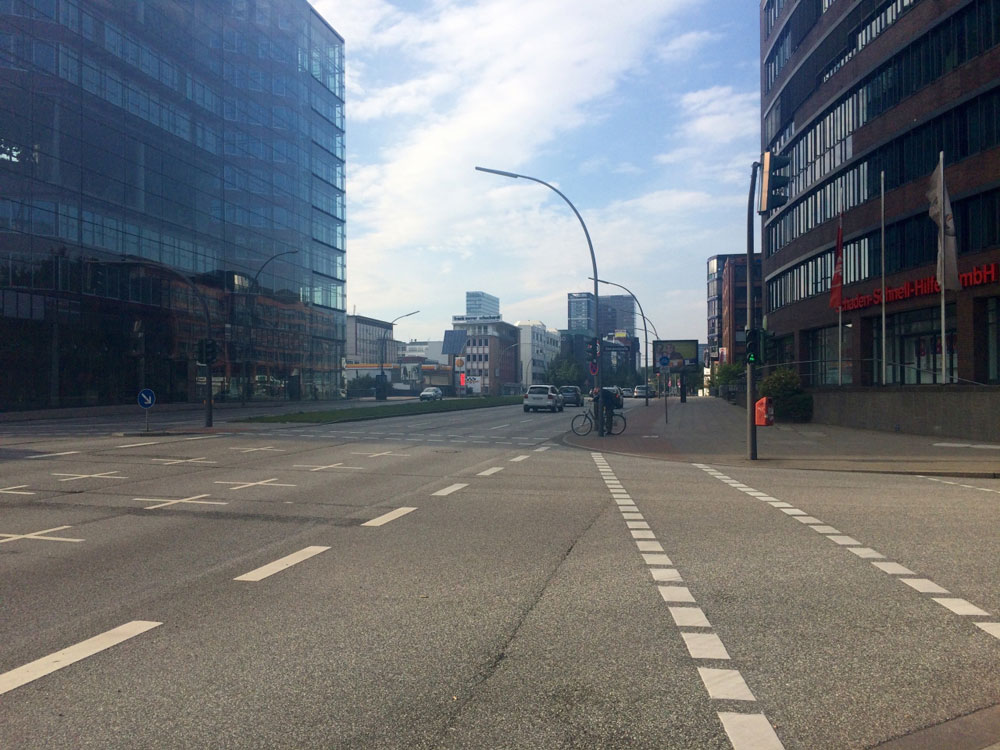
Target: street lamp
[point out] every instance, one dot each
(253, 309)
(593, 260)
(380, 394)
(645, 330)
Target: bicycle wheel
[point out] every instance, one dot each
(618, 424)
(582, 424)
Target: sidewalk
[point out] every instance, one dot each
(711, 430)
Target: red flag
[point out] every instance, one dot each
(837, 283)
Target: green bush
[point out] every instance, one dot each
(785, 390)
(727, 374)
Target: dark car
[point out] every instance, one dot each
(571, 395)
(618, 395)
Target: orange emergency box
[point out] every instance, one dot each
(764, 412)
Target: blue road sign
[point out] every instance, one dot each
(146, 398)
(664, 361)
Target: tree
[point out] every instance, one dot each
(727, 375)
(564, 371)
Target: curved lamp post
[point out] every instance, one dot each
(644, 328)
(593, 260)
(380, 394)
(253, 309)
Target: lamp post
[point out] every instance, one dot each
(253, 309)
(593, 260)
(380, 394)
(645, 330)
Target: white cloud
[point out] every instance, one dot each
(686, 47)
(506, 83)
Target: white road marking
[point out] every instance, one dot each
(807, 519)
(163, 503)
(278, 565)
(543, 448)
(15, 489)
(390, 516)
(624, 508)
(780, 504)
(490, 471)
(39, 535)
(656, 559)
(201, 437)
(255, 450)
(640, 534)
(750, 731)
(273, 482)
(172, 461)
(793, 511)
(667, 575)
(518, 458)
(676, 594)
(689, 617)
(50, 455)
(645, 546)
(704, 646)
(448, 490)
(383, 453)
(500, 426)
(725, 684)
(993, 628)
(632, 516)
(893, 568)
(866, 553)
(139, 445)
(314, 467)
(74, 477)
(49, 664)
(824, 529)
(961, 606)
(843, 540)
(636, 525)
(924, 585)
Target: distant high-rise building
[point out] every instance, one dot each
(580, 313)
(717, 349)
(617, 313)
(481, 304)
(852, 91)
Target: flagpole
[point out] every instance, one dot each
(884, 353)
(941, 282)
(840, 307)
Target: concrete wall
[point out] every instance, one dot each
(953, 411)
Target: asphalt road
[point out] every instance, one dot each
(466, 580)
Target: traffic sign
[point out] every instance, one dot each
(593, 368)
(146, 398)
(664, 361)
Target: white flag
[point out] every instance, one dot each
(947, 258)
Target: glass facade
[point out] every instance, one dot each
(163, 162)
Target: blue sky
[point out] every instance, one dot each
(645, 113)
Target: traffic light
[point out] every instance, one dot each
(210, 351)
(593, 349)
(772, 183)
(753, 346)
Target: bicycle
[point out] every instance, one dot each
(583, 423)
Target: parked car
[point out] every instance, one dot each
(431, 394)
(628, 392)
(572, 395)
(543, 397)
(640, 391)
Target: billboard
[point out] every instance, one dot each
(675, 355)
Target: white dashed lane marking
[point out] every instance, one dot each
(390, 516)
(53, 662)
(277, 566)
(923, 585)
(448, 490)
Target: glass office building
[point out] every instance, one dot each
(171, 171)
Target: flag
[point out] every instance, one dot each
(947, 258)
(837, 282)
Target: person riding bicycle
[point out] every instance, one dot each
(609, 400)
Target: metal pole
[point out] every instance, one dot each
(644, 328)
(593, 260)
(884, 353)
(943, 266)
(751, 386)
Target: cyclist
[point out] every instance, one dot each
(609, 400)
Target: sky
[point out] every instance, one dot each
(644, 113)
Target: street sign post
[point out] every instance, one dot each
(146, 400)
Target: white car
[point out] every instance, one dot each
(543, 397)
(431, 394)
